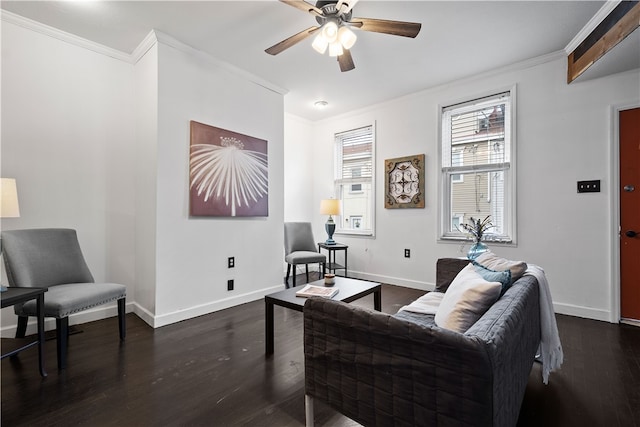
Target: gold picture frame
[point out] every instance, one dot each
(404, 182)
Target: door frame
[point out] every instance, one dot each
(614, 189)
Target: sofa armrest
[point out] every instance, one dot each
(446, 270)
(379, 370)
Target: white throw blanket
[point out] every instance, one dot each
(550, 348)
(426, 304)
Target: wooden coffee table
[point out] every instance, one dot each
(349, 290)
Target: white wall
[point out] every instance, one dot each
(299, 204)
(563, 135)
(99, 141)
(68, 138)
(192, 253)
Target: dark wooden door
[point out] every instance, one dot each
(630, 214)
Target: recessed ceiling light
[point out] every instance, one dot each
(320, 104)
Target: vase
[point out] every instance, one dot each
(476, 250)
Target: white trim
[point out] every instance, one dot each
(211, 307)
(63, 36)
(397, 281)
(147, 43)
(152, 38)
(510, 191)
(517, 66)
(604, 11)
(170, 41)
(584, 312)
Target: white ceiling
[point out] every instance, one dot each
(458, 39)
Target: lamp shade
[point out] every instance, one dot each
(346, 37)
(9, 207)
(330, 207)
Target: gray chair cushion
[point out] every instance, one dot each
(305, 257)
(63, 300)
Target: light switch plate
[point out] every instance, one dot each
(589, 186)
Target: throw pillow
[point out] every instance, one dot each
(504, 277)
(469, 296)
(494, 262)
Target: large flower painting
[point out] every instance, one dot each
(228, 173)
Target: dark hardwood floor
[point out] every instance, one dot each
(211, 371)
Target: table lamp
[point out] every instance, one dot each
(9, 207)
(330, 207)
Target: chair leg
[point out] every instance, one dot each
(308, 410)
(286, 281)
(306, 269)
(21, 329)
(62, 331)
(122, 323)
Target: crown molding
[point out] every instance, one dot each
(207, 58)
(41, 28)
(149, 41)
(604, 11)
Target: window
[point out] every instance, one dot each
(354, 183)
(477, 166)
(457, 159)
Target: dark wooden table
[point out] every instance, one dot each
(332, 265)
(15, 295)
(349, 290)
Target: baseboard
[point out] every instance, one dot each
(200, 310)
(585, 312)
(96, 313)
(104, 312)
(414, 284)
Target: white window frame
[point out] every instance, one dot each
(444, 180)
(460, 178)
(342, 186)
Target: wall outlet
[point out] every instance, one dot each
(407, 253)
(230, 284)
(231, 262)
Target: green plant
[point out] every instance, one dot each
(476, 228)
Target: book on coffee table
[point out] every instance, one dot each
(316, 291)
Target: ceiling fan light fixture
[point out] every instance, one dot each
(335, 49)
(347, 37)
(320, 44)
(330, 31)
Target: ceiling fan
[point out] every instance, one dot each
(334, 30)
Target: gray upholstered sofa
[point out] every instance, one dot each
(403, 370)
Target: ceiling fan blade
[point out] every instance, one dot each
(345, 6)
(303, 6)
(397, 28)
(346, 61)
(287, 43)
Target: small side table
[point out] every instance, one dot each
(332, 265)
(15, 295)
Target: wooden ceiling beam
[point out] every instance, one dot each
(621, 22)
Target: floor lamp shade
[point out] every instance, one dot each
(9, 207)
(330, 207)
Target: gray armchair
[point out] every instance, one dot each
(300, 248)
(51, 258)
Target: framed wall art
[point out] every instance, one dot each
(228, 173)
(404, 182)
